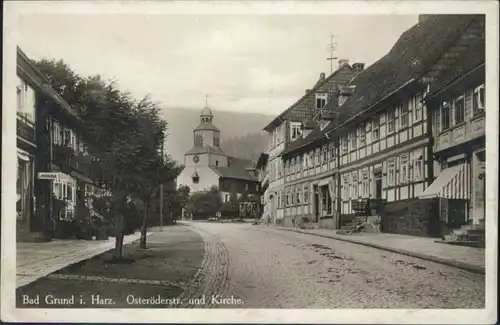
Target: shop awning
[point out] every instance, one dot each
(452, 183)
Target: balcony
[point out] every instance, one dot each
(25, 128)
(69, 160)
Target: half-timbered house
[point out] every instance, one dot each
(286, 129)
(377, 146)
(456, 103)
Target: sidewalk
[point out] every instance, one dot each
(467, 258)
(37, 260)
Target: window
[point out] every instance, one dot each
(391, 122)
(437, 119)
(325, 155)
(445, 116)
(405, 168)
(354, 140)
(295, 130)
(216, 163)
(365, 185)
(376, 128)
(478, 100)
(417, 116)
(321, 100)
(354, 185)
(459, 107)
(418, 166)
(346, 187)
(327, 201)
(297, 164)
(306, 194)
(246, 187)
(292, 166)
(311, 159)
(279, 200)
(283, 198)
(226, 198)
(25, 101)
(288, 198)
(391, 172)
(332, 152)
(198, 139)
(318, 156)
(362, 135)
(298, 195)
(403, 109)
(216, 139)
(286, 167)
(345, 144)
(292, 197)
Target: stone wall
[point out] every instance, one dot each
(415, 217)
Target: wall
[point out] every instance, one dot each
(412, 217)
(472, 128)
(207, 176)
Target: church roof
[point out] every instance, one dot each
(205, 149)
(206, 111)
(206, 126)
(234, 172)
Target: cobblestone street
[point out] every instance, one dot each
(268, 268)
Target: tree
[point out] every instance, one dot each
(231, 207)
(126, 136)
(204, 205)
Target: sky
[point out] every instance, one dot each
(246, 63)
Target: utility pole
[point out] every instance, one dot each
(332, 48)
(161, 187)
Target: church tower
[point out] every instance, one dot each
(206, 134)
(206, 149)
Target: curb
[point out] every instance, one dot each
(454, 263)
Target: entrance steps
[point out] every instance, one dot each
(472, 235)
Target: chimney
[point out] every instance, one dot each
(322, 76)
(308, 91)
(343, 62)
(358, 67)
(423, 18)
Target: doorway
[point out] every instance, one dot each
(316, 203)
(378, 185)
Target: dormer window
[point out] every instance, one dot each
(321, 100)
(323, 124)
(295, 130)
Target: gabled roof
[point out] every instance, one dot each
(206, 126)
(40, 81)
(236, 162)
(233, 172)
(473, 58)
(318, 84)
(205, 149)
(415, 51)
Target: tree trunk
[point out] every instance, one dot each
(144, 226)
(118, 253)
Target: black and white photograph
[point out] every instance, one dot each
(250, 162)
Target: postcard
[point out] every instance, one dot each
(253, 162)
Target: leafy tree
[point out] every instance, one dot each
(204, 205)
(126, 136)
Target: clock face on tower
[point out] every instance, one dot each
(196, 159)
